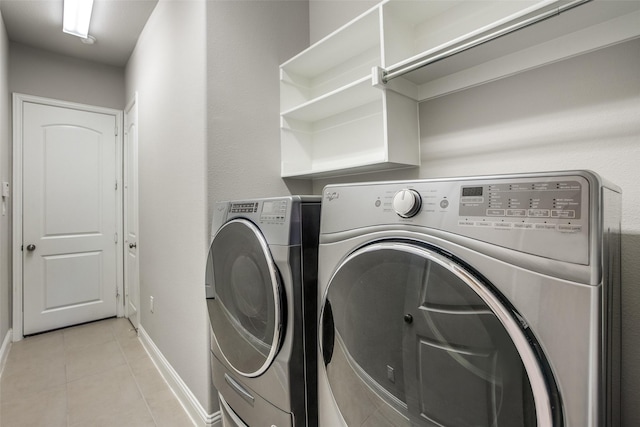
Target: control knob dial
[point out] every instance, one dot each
(407, 203)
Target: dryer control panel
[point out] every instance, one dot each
(527, 200)
(560, 199)
(542, 214)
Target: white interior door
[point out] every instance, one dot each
(131, 265)
(69, 216)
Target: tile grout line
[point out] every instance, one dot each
(135, 379)
(66, 378)
(114, 337)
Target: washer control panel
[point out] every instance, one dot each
(271, 211)
(274, 210)
(273, 216)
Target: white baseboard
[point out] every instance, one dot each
(192, 406)
(4, 350)
(218, 422)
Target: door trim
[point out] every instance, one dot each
(132, 104)
(17, 274)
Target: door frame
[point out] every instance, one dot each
(132, 105)
(19, 100)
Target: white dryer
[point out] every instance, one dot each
(480, 301)
(261, 290)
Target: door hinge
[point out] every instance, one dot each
(115, 237)
(116, 185)
(116, 130)
(117, 292)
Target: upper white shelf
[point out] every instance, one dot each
(416, 28)
(335, 62)
(337, 48)
(578, 30)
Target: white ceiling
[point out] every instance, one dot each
(116, 25)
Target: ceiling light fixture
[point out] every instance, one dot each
(89, 40)
(77, 14)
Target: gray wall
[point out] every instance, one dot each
(581, 113)
(50, 75)
(243, 95)
(5, 175)
(326, 16)
(167, 70)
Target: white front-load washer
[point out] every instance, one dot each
(480, 301)
(261, 290)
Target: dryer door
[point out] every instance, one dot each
(244, 298)
(412, 338)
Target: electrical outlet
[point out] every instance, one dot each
(151, 304)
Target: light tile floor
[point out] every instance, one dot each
(96, 375)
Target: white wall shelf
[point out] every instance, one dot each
(416, 28)
(338, 101)
(590, 26)
(361, 139)
(339, 59)
(334, 121)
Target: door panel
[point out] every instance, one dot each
(454, 331)
(245, 308)
(69, 216)
(84, 286)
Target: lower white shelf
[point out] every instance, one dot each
(378, 135)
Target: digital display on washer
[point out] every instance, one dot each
(471, 191)
(274, 210)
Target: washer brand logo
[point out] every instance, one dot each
(332, 196)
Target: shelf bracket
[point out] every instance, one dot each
(377, 77)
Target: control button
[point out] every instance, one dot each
(444, 204)
(547, 227)
(516, 212)
(568, 228)
(523, 225)
(495, 212)
(407, 203)
(484, 224)
(502, 224)
(563, 214)
(463, 223)
(538, 213)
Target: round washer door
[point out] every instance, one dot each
(244, 300)
(411, 337)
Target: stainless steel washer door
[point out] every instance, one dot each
(245, 305)
(411, 337)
